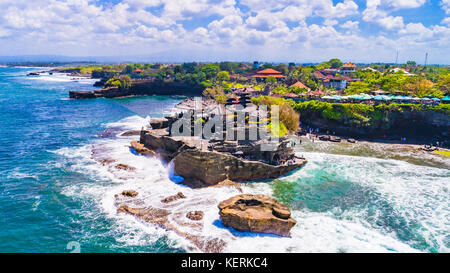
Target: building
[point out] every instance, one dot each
(300, 85)
(348, 68)
(400, 70)
(330, 79)
(268, 72)
(291, 96)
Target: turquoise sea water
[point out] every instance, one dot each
(53, 193)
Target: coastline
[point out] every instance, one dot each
(210, 230)
(378, 148)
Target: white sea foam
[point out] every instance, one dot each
(419, 193)
(18, 174)
(61, 77)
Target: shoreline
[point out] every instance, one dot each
(376, 148)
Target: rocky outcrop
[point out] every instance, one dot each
(82, 95)
(154, 215)
(131, 133)
(142, 88)
(159, 123)
(195, 215)
(202, 168)
(159, 141)
(163, 218)
(413, 124)
(124, 167)
(140, 149)
(206, 168)
(130, 193)
(256, 213)
(172, 198)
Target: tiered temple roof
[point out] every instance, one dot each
(269, 72)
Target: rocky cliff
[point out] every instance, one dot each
(142, 88)
(394, 123)
(206, 168)
(202, 168)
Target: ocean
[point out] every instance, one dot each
(55, 197)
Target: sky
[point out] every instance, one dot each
(229, 30)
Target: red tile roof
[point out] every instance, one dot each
(290, 95)
(300, 85)
(268, 72)
(349, 65)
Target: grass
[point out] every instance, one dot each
(444, 153)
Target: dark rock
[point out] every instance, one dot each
(110, 132)
(161, 217)
(324, 138)
(335, 139)
(125, 167)
(210, 168)
(131, 133)
(130, 193)
(82, 95)
(256, 213)
(140, 149)
(141, 88)
(154, 215)
(159, 123)
(172, 198)
(195, 215)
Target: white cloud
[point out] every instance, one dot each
(403, 4)
(377, 11)
(446, 21)
(445, 4)
(264, 22)
(78, 27)
(329, 22)
(351, 25)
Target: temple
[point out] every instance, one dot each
(269, 72)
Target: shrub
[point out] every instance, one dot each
(121, 82)
(288, 116)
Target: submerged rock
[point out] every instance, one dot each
(154, 215)
(125, 167)
(161, 218)
(195, 215)
(177, 196)
(131, 133)
(256, 213)
(130, 193)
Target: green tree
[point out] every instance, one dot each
(216, 92)
(210, 70)
(335, 63)
(357, 88)
(443, 84)
(222, 76)
(271, 80)
(128, 69)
